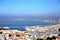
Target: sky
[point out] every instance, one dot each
(29, 9)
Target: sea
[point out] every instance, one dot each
(20, 25)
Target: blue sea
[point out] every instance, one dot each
(20, 25)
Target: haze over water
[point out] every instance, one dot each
(28, 12)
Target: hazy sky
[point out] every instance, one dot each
(29, 9)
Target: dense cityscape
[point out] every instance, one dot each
(51, 32)
(29, 19)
